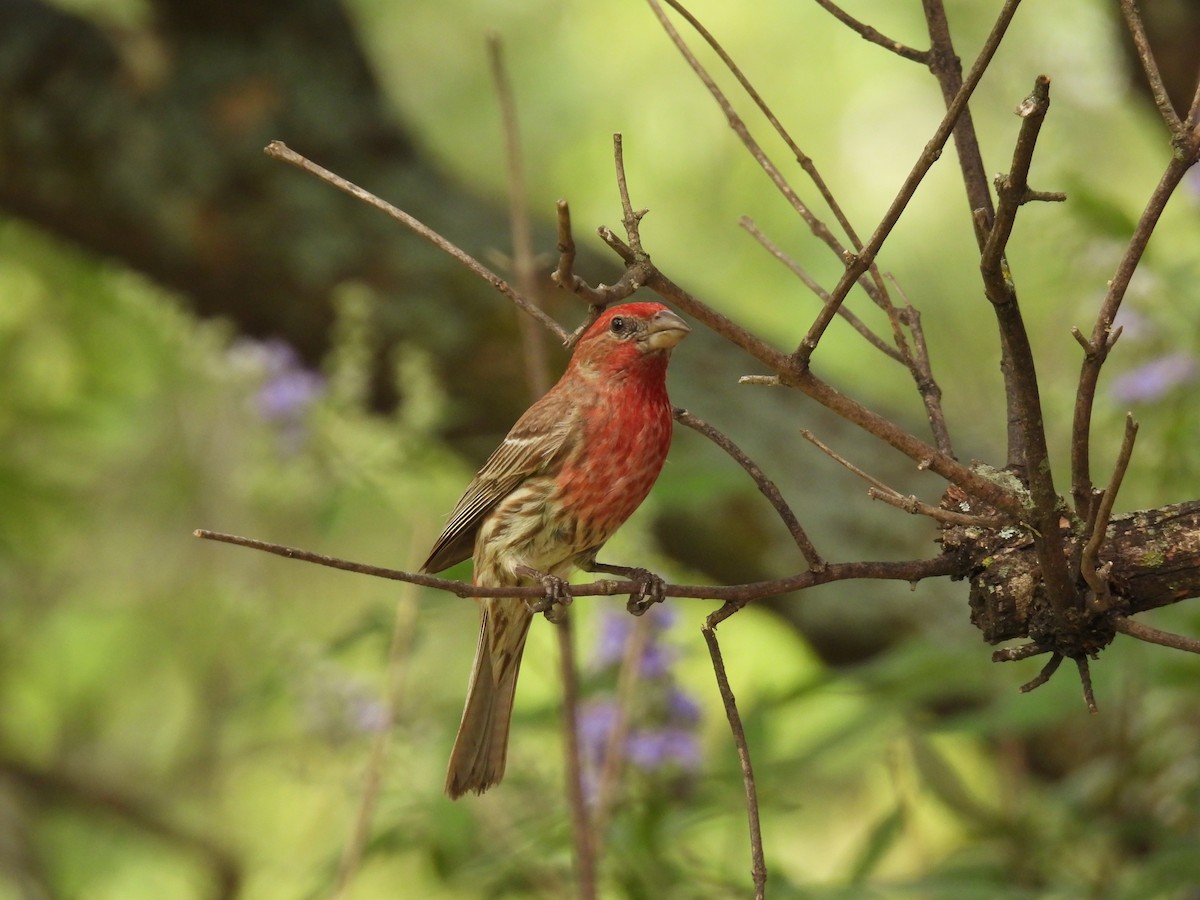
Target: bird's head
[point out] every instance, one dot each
(630, 336)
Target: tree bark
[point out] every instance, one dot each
(1155, 556)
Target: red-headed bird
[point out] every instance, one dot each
(572, 469)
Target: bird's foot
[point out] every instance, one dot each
(554, 602)
(650, 589)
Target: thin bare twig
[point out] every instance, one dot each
(1043, 676)
(816, 226)
(803, 159)
(740, 337)
(537, 367)
(597, 298)
(1085, 678)
(823, 295)
(736, 596)
(758, 868)
(582, 831)
(1025, 651)
(975, 484)
(630, 218)
(638, 266)
(945, 66)
(922, 370)
(1151, 635)
(766, 486)
(279, 150)
(538, 376)
(858, 264)
(1013, 192)
(1137, 31)
(910, 504)
(1104, 336)
(398, 652)
(867, 33)
(917, 507)
(1089, 560)
(618, 737)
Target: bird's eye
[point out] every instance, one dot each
(618, 325)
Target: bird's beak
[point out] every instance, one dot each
(664, 331)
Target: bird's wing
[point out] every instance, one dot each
(533, 445)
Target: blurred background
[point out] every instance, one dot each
(195, 336)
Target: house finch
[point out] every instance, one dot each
(574, 467)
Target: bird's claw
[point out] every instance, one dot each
(554, 602)
(650, 590)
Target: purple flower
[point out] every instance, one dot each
(681, 707)
(289, 389)
(1151, 381)
(610, 645)
(615, 631)
(596, 722)
(662, 718)
(339, 705)
(652, 749)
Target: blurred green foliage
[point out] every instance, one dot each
(192, 703)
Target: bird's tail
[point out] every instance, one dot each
(480, 750)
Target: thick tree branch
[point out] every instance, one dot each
(1155, 561)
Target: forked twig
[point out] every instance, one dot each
(638, 267)
(815, 225)
(1185, 140)
(860, 263)
(803, 159)
(1027, 449)
(758, 869)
